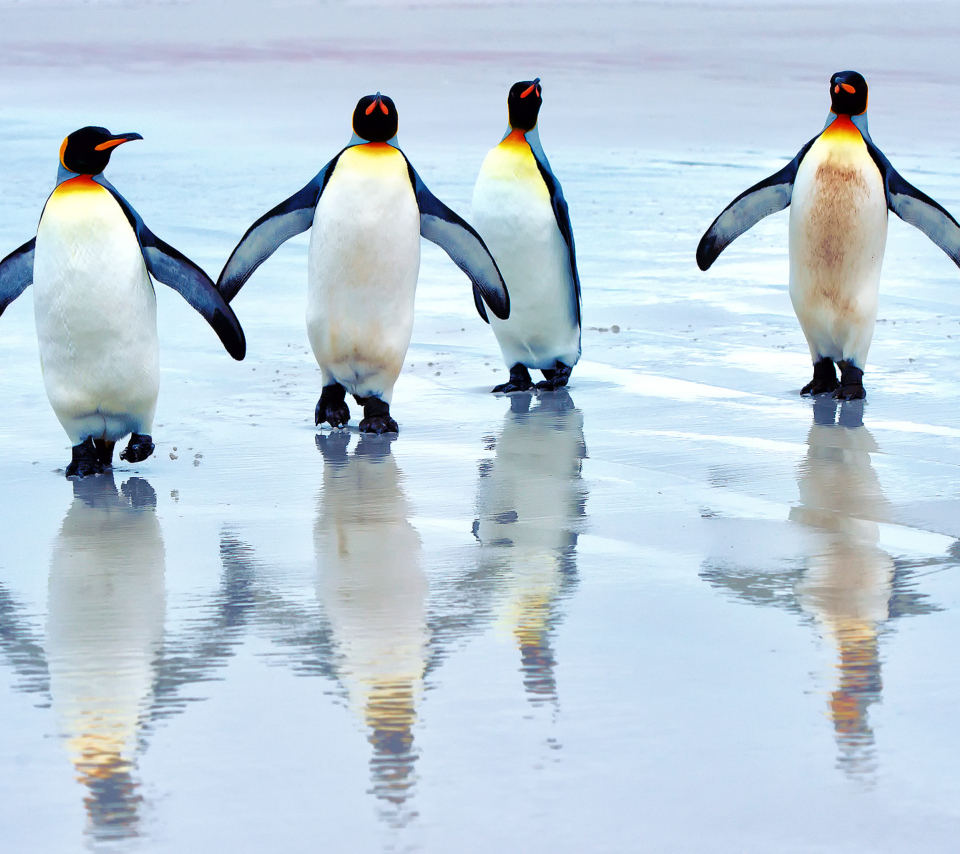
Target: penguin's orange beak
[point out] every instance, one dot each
(119, 139)
(533, 87)
(377, 103)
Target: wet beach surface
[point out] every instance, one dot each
(675, 607)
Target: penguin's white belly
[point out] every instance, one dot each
(838, 231)
(513, 214)
(363, 266)
(96, 315)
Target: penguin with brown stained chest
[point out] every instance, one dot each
(839, 186)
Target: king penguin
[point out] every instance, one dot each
(367, 209)
(840, 186)
(95, 307)
(519, 209)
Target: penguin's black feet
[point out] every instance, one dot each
(824, 378)
(851, 383)
(376, 417)
(554, 378)
(104, 451)
(138, 448)
(85, 461)
(332, 406)
(519, 381)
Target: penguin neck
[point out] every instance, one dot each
(842, 128)
(849, 124)
(359, 140)
(513, 137)
(77, 184)
(64, 174)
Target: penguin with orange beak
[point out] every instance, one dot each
(95, 307)
(366, 211)
(519, 209)
(840, 187)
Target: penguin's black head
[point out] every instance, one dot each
(523, 103)
(848, 93)
(87, 151)
(375, 118)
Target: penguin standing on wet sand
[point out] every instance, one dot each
(368, 209)
(840, 186)
(519, 209)
(95, 307)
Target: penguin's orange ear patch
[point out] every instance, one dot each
(370, 109)
(63, 148)
(528, 90)
(847, 88)
(836, 89)
(383, 108)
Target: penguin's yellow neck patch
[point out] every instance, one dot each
(513, 161)
(842, 129)
(377, 149)
(515, 140)
(80, 184)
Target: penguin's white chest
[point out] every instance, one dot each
(364, 261)
(513, 213)
(96, 313)
(838, 232)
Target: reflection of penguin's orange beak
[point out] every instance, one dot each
(119, 139)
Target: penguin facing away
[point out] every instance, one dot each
(519, 209)
(840, 186)
(96, 309)
(367, 209)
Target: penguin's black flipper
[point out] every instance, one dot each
(465, 247)
(917, 208)
(173, 268)
(746, 210)
(16, 273)
(560, 209)
(263, 238)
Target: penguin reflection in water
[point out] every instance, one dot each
(95, 307)
(368, 209)
(519, 209)
(531, 503)
(840, 186)
(848, 583)
(105, 635)
(374, 591)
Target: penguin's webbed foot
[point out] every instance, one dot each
(138, 448)
(332, 406)
(824, 378)
(85, 461)
(519, 381)
(376, 417)
(554, 378)
(851, 383)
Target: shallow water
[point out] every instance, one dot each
(675, 607)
